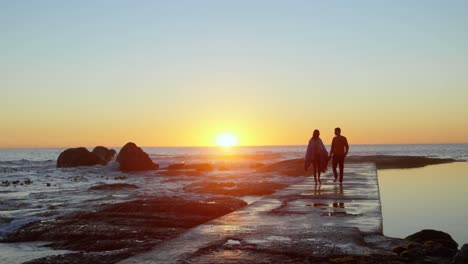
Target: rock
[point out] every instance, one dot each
(119, 231)
(435, 243)
(78, 179)
(399, 250)
(87, 257)
(398, 162)
(256, 165)
(131, 227)
(75, 157)
(378, 241)
(105, 154)
(5, 183)
(200, 167)
(433, 235)
(414, 253)
(295, 167)
(462, 256)
(176, 166)
(235, 189)
(413, 245)
(428, 246)
(195, 166)
(133, 158)
(114, 186)
(437, 249)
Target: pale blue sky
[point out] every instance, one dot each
(164, 67)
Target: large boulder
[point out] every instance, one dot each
(462, 255)
(435, 243)
(75, 157)
(133, 158)
(104, 153)
(433, 235)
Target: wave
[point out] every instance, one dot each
(24, 165)
(15, 224)
(21, 162)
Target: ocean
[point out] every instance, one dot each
(412, 199)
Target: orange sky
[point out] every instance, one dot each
(270, 73)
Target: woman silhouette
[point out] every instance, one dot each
(317, 155)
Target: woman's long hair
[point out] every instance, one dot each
(316, 134)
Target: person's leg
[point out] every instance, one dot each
(315, 170)
(341, 168)
(334, 164)
(319, 169)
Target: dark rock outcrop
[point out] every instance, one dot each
(462, 256)
(75, 157)
(88, 257)
(117, 231)
(114, 186)
(7, 183)
(295, 167)
(429, 246)
(194, 166)
(398, 162)
(133, 158)
(176, 166)
(200, 167)
(104, 153)
(428, 235)
(256, 165)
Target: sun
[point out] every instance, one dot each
(226, 140)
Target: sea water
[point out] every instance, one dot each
(412, 199)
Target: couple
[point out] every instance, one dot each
(317, 154)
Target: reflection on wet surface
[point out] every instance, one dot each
(318, 189)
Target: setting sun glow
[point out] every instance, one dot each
(226, 140)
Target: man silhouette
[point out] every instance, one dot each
(339, 150)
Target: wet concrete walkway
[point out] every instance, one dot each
(300, 220)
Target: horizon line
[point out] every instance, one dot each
(240, 146)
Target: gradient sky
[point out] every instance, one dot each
(178, 73)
